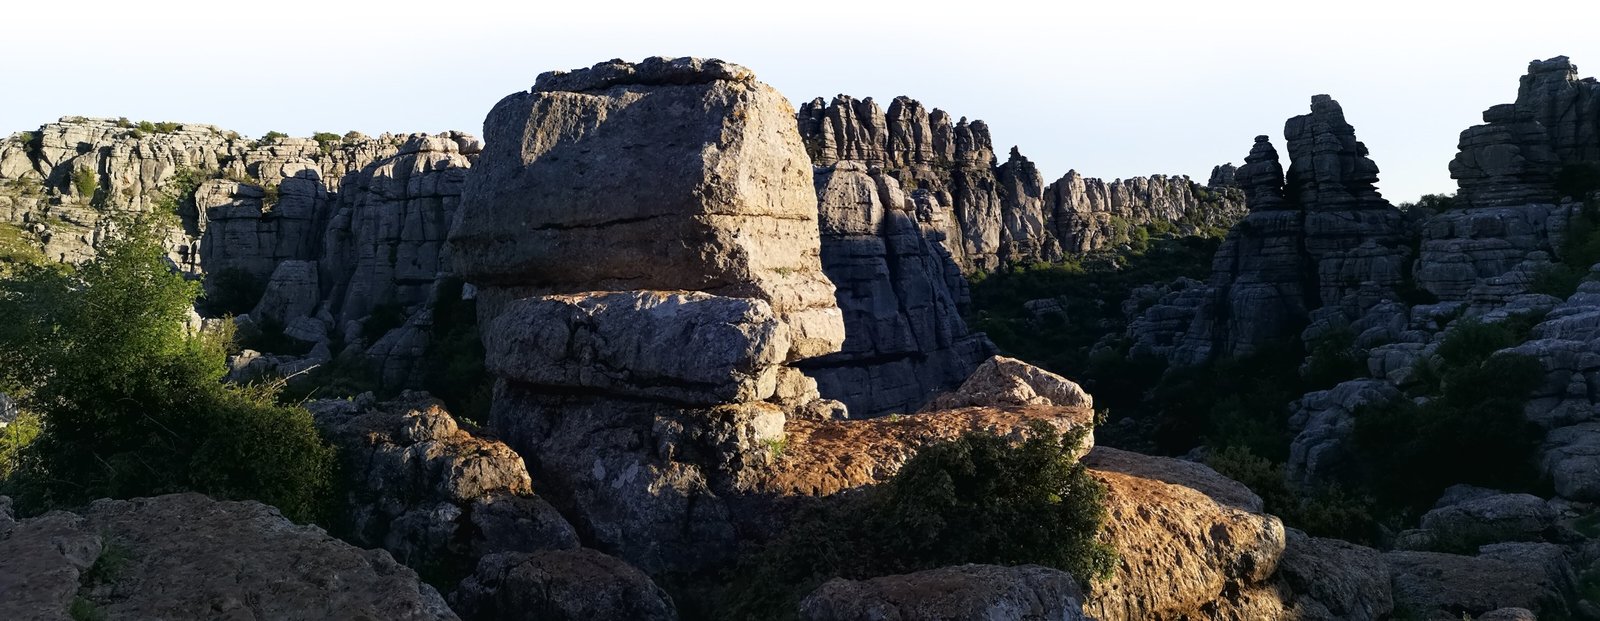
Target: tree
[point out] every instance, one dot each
(130, 398)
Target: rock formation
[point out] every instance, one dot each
(643, 382)
(1318, 239)
(965, 592)
(990, 214)
(333, 230)
(900, 293)
(430, 492)
(158, 558)
(910, 201)
(560, 585)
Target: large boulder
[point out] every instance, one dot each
(961, 593)
(1002, 382)
(560, 585)
(185, 556)
(1436, 585)
(689, 172)
(648, 383)
(430, 492)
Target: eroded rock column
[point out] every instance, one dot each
(644, 239)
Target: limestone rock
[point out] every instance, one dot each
(1490, 519)
(966, 592)
(1002, 381)
(1180, 551)
(1435, 584)
(1335, 580)
(170, 567)
(560, 585)
(430, 492)
(1317, 237)
(1191, 474)
(691, 348)
(821, 458)
(693, 181)
(900, 292)
(989, 214)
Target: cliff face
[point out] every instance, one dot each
(331, 230)
(911, 201)
(995, 214)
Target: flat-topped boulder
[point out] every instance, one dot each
(690, 175)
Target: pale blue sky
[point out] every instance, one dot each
(1113, 89)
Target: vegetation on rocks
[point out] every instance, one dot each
(978, 499)
(1464, 423)
(1089, 290)
(129, 396)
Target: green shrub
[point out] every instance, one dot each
(1469, 428)
(273, 136)
(382, 319)
(326, 141)
(1329, 511)
(1578, 180)
(124, 123)
(147, 127)
(131, 401)
(979, 499)
(455, 370)
(1431, 202)
(86, 182)
(1334, 359)
(231, 291)
(167, 127)
(13, 438)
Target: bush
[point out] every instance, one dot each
(86, 182)
(1469, 428)
(131, 401)
(382, 319)
(13, 438)
(326, 141)
(273, 136)
(455, 371)
(979, 499)
(1578, 180)
(1431, 202)
(1330, 511)
(231, 291)
(167, 127)
(147, 127)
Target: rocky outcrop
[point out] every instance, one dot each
(965, 592)
(900, 293)
(990, 214)
(560, 585)
(1435, 585)
(335, 230)
(1003, 382)
(643, 383)
(157, 558)
(430, 492)
(1089, 214)
(1319, 243)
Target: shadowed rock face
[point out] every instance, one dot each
(1319, 239)
(900, 293)
(170, 566)
(966, 592)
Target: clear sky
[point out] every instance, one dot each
(1112, 89)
